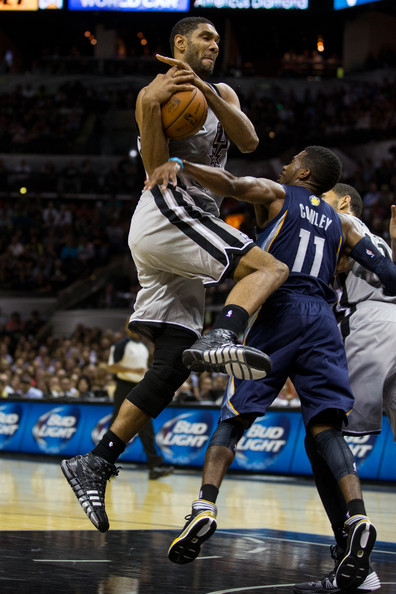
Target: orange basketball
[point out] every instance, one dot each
(184, 114)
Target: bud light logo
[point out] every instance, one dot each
(100, 428)
(183, 438)
(10, 416)
(263, 442)
(361, 446)
(56, 428)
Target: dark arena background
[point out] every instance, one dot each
(307, 72)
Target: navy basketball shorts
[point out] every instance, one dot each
(301, 336)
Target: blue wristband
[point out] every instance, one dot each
(177, 161)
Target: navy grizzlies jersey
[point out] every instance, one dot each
(307, 236)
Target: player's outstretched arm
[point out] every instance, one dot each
(246, 189)
(361, 249)
(227, 108)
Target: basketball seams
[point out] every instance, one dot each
(182, 126)
(184, 110)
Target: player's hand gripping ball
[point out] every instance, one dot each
(184, 114)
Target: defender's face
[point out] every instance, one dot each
(290, 172)
(331, 198)
(202, 49)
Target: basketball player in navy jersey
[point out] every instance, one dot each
(368, 324)
(180, 245)
(297, 327)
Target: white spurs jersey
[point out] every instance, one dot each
(360, 284)
(209, 146)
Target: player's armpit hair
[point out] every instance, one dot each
(371, 258)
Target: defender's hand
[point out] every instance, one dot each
(164, 174)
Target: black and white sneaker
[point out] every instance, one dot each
(87, 475)
(200, 526)
(156, 472)
(354, 568)
(328, 582)
(219, 350)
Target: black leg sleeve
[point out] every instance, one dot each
(167, 372)
(329, 491)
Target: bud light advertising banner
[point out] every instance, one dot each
(97, 422)
(12, 417)
(268, 444)
(274, 443)
(184, 436)
(367, 450)
(52, 429)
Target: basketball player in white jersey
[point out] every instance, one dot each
(368, 326)
(180, 245)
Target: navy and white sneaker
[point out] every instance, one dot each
(87, 475)
(329, 584)
(219, 350)
(354, 568)
(200, 526)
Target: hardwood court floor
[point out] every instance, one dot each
(271, 533)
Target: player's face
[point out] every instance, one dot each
(202, 49)
(331, 198)
(290, 172)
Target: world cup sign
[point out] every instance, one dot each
(131, 5)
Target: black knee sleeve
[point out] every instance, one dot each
(167, 373)
(333, 448)
(227, 434)
(328, 489)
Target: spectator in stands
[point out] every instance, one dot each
(16, 248)
(15, 325)
(5, 388)
(54, 387)
(83, 387)
(34, 323)
(220, 381)
(185, 393)
(67, 389)
(51, 215)
(205, 384)
(5, 357)
(27, 390)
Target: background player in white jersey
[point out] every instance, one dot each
(297, 327)
(179, 246)
(129, 361)
(368, 326)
